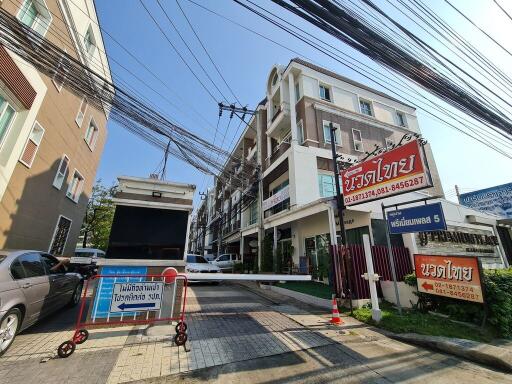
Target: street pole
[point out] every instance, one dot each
(391, 260)
(341, 207)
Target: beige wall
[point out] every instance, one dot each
(31, 205)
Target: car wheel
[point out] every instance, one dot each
(77, 295)
(9, 326)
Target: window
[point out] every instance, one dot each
(300, 132)
(52, 265)
(366, 107)
(297, 92)
(32, 265)
(325, 92)
(274, 79)
(60, 236)
(6, 118)
(327, 132)
(91, 135)
(61, 172)
(400, 118)
(253, 212)
(34, 140)
(81, 112)
(75, 187)
(61, 72)
(327, 185)
(35, 15)
(223, 258)
(17, 271)
(389, 144)
(358, 140)
(89, 41)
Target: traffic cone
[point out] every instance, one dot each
(335, 319)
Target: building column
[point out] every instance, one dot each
(293, 112)
(242, 248)
(274, 248)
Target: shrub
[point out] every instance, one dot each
(497, 285)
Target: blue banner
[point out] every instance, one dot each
(495, 200)
(423, 218)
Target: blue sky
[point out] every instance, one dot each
(245, 60)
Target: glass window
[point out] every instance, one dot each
(75, 188)
(297, 92)
(327, 132)
(366, 107)
(196, 259)
(89, 41)
(327, 185)
(223, 258)
(28, 13)
(29, 153)
(253, 212)
(32, 265)
(300, 132)
(52, 265)
(61, 172)
(91, 135)
(17, 270)
(6, 117)
(400, 117)
(358, 140)
(325, 93)
(81, 112)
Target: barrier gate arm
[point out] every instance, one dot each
(245, 277)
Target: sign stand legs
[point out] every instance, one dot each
(372, 279)
(392, 262)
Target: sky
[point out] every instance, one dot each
(245, 60)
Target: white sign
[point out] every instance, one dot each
(277, 198)
(135, 297)
(80, 260)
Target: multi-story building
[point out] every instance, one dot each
(289, 142)
(51, 139)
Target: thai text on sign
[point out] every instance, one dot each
(400, 170)
(139, 296)
(457, 277)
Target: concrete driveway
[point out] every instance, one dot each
(235, 336)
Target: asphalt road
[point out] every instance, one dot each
(236, 336)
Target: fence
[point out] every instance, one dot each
(357, 266)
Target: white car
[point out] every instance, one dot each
(81, 254)
(198, 264)
(226, 261)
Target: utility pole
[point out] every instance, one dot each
(341, 208)
(261, 229)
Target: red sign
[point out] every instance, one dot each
(400, 170)
(457, 277)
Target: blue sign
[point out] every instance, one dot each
(495, 200)
(103, 297)
(423, 218)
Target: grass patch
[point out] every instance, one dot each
(312, 288)
(413, 321)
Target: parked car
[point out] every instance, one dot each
(93, 253)
(210, 256)
(198, 264)
(226, 261)
(33, 284)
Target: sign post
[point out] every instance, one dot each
(392, 262)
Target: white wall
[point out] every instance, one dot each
(303, 176)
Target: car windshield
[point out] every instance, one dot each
(84, 254)
(196, 259)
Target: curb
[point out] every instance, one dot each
(482, 353)
(304, 297)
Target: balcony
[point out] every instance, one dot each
(251, 153)
(277, 152)
(280, 120)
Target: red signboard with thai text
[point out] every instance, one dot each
(403, 169)
(457, 277)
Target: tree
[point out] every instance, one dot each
(98, 217)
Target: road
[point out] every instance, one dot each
(235, 336)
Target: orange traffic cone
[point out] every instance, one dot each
(335, 319)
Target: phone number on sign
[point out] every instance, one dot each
(399, 185)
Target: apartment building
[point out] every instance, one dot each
(51, 139)
(288, 143)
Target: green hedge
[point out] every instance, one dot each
(498, 294)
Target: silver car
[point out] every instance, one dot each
(33, 284)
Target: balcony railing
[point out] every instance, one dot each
(278, 151)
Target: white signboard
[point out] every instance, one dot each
(80, 260)
(276, 198)
(135, 297)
